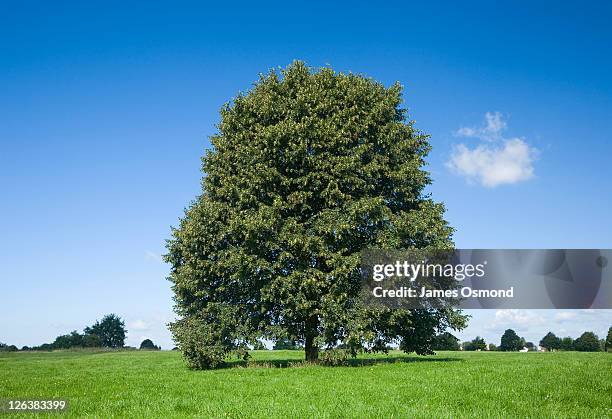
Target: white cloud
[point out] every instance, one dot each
(495, 161)
(490, 131)
(517, 317)
(138, 325)
(565, 315)
(494, 165)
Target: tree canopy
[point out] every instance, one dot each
(550, 342)
(510, 341)
(567, 344)
(587, 342)
(476, 344)
(446, 342)
(8, 348)
(110, 331)
(307, 169)
(148, 344)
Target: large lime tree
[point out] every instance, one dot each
(308, 168)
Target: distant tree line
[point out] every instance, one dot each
(510, 341)
(286, 344)
(107, 333)
(587, 342)
(8, 348)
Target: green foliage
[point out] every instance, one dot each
(74, 339)
(550, 342)
(148, 344)
(110, 330)
(477, 344)
(44, 347)
(203, 344)
(285, 344)
(510, 341)
(587, 342)
(445, 342)
(307, 169)
(259, 346)
(608, 344)
(91, 341)
(567, 344)
(335, 357)
(8, 348)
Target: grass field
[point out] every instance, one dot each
(457, 384)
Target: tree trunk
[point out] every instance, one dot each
(310, 349)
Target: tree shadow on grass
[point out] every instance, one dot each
(351, 362)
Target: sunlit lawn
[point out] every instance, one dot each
(457, 384)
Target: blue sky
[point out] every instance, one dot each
(106, 109)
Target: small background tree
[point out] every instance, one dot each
(567, 344)
(110, 330)
(609, 340)
(477, 344)
(587, 342)
(148, 344)
(550, 342)
(445, 342)
(510, 341)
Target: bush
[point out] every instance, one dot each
(199, 343)
(334, 357)
(148, 344)
(43, 347)
(259, 346)
(242, 352)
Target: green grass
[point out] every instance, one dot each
(457, 384)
